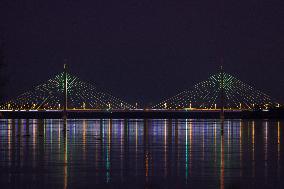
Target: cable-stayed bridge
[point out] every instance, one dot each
(67, 93)
(78, 95)
(221, 90)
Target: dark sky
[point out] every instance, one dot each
(144, 50)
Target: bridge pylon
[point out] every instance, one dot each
(222, 115)
(65, 92)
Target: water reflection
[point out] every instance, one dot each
(253, 148)
(278, 148)
(222, 161)
(65, 137)
(141, 153)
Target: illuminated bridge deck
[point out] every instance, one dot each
(151, 113)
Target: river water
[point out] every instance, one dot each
(130, 153)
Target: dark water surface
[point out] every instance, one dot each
(141, 154)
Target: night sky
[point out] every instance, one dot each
(143, 51)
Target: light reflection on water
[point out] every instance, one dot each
(141, 153)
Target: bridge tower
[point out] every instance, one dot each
(65, 92)
(222, 93)
(222, 115)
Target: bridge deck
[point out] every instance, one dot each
(160, 114)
